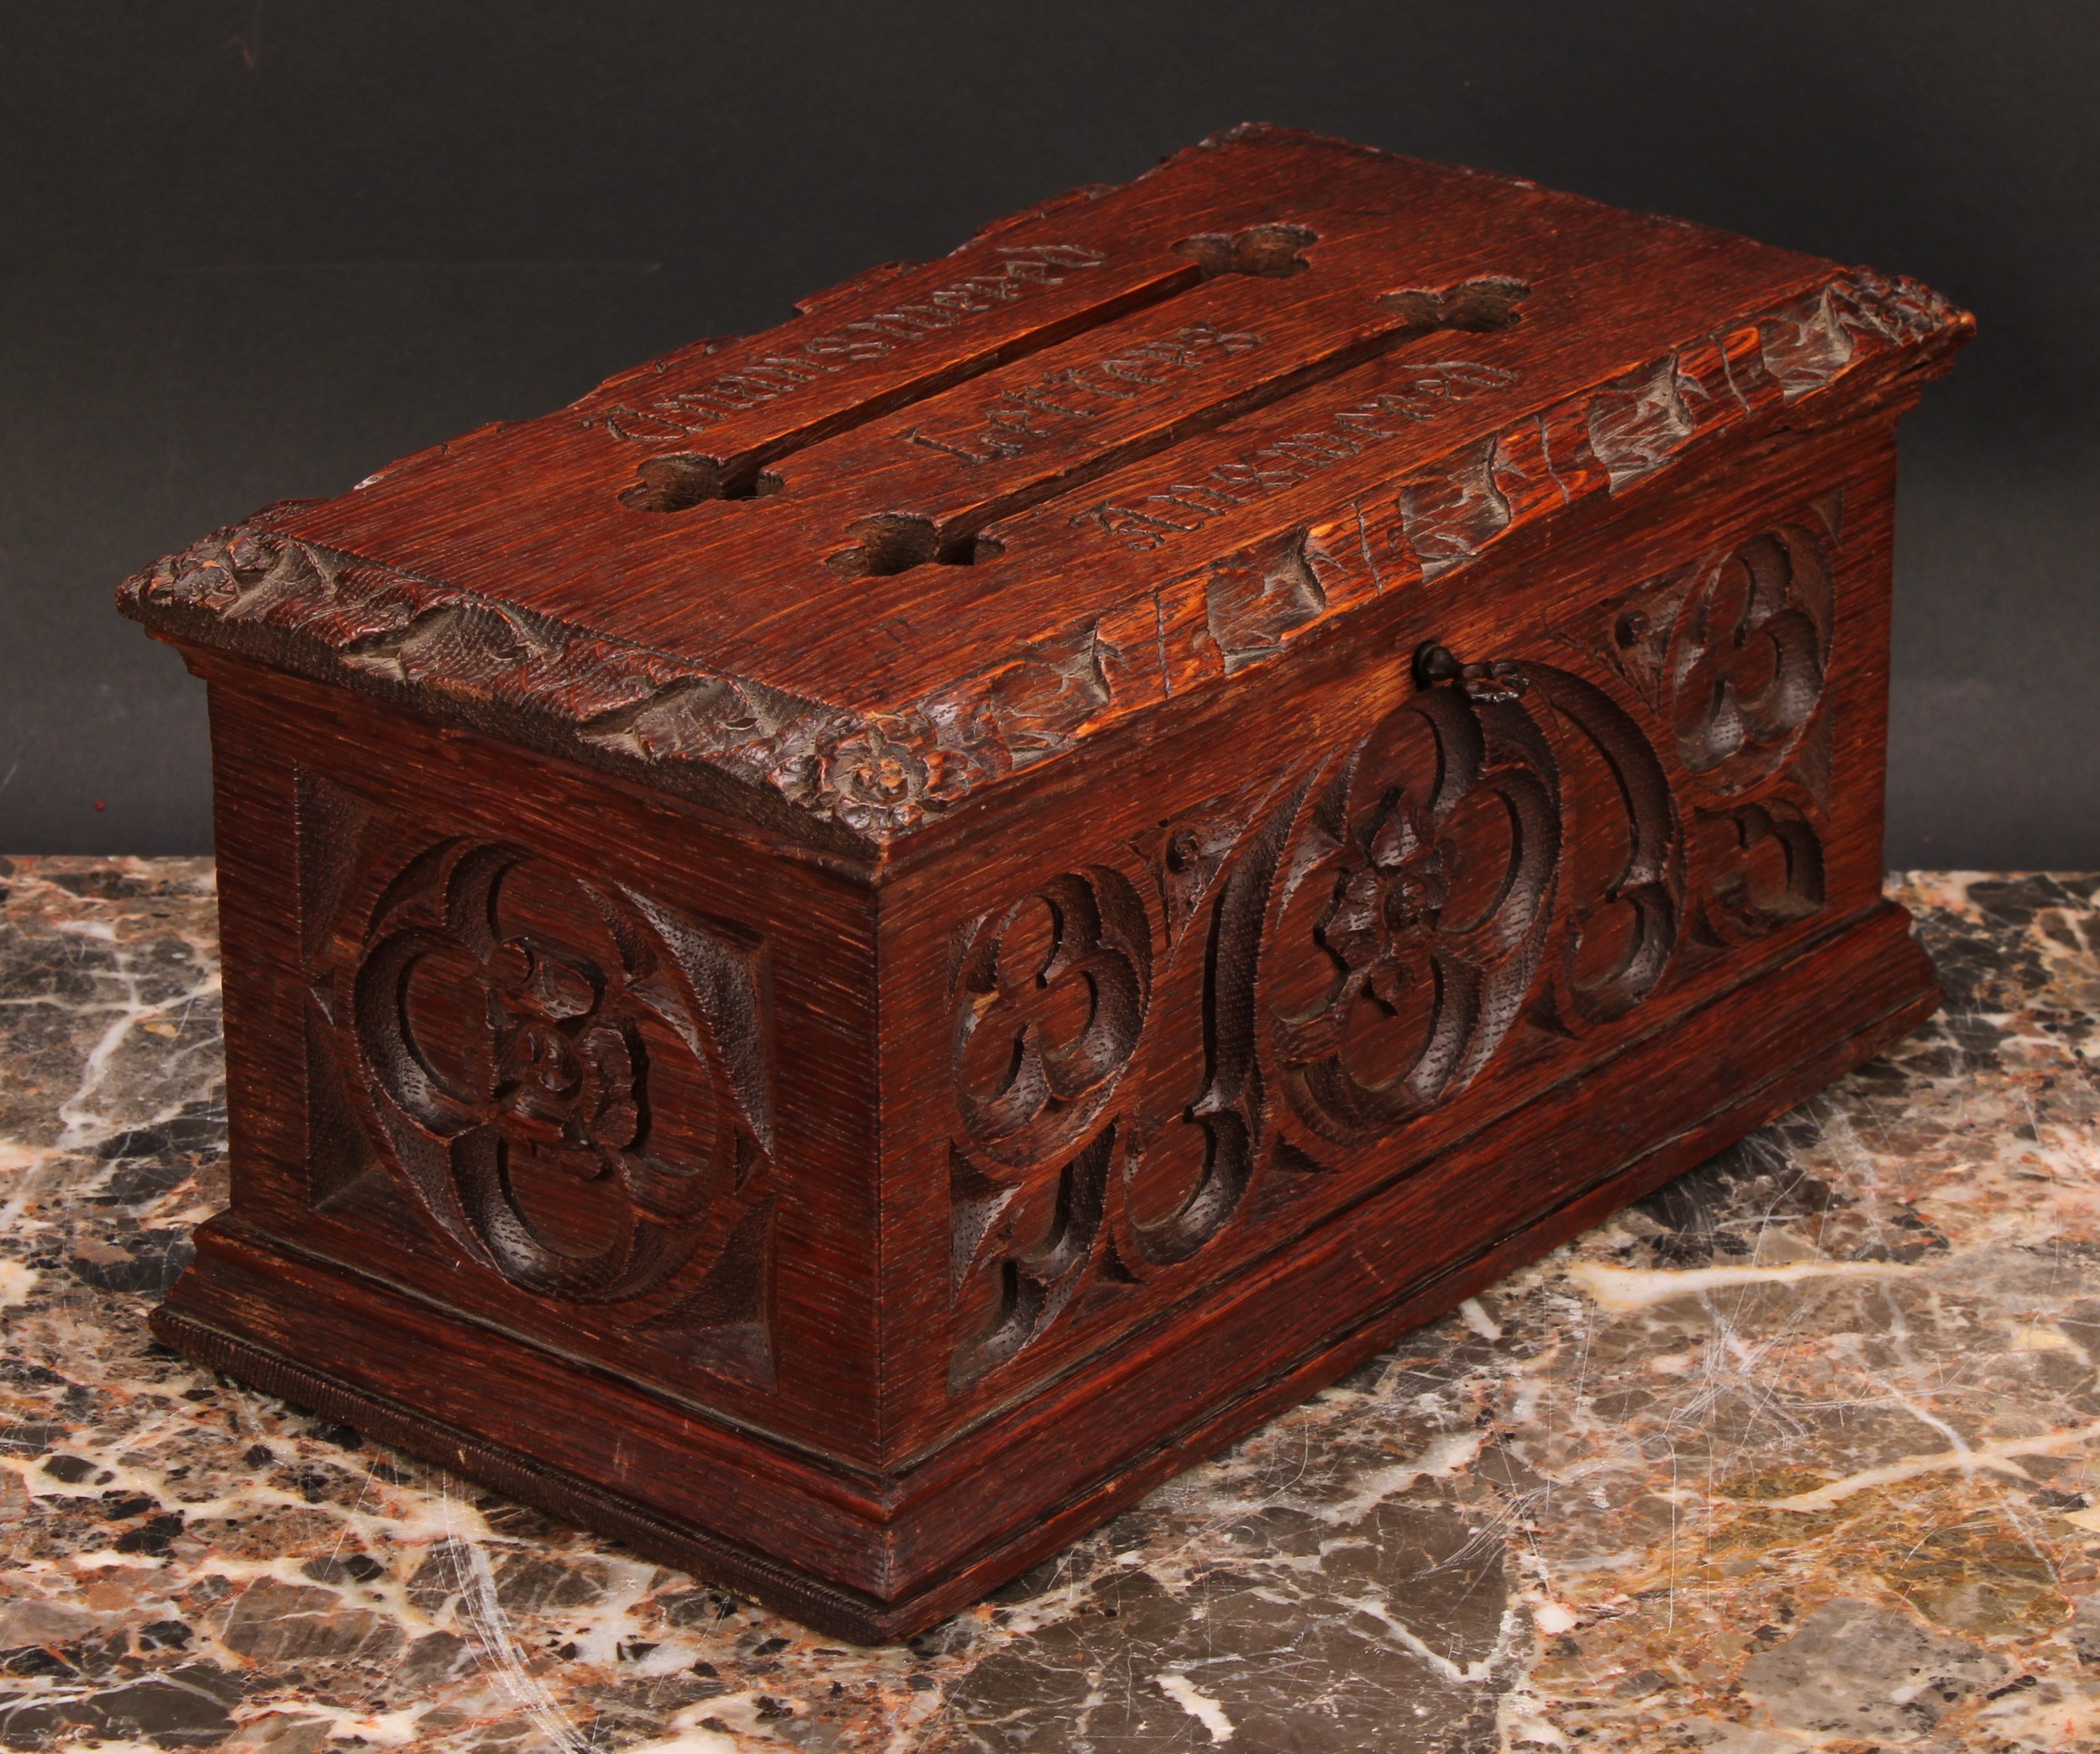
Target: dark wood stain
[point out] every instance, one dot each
(842, 955)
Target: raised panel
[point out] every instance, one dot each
(564, 1082)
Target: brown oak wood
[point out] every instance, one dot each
(841, 955)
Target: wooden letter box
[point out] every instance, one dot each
(844, 954)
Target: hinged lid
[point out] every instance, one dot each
(953, 518)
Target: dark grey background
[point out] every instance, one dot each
(252, 251)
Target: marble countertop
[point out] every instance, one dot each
(1802, 1451)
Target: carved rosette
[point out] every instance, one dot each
(875, 774)
(1359, 942)
(1409, 917)
(1149, 1057)
(567, 1078)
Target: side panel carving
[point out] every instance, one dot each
(1149, 1056)
(569, 1081)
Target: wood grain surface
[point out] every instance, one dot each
(841, 955)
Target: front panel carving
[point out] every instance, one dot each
(1746, 667)
(567, 1079)
(1732, 653)
(1054, 991)
(1407, 918)
(1517, 855)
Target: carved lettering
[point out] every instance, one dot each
(328, 613)
(681, 413)
(1143, 521)
(1015, 419)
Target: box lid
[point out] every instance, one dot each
(953, 519)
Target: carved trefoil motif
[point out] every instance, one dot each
(1733, 653)
(569, 1081)
(1514, 851)
(1050, 996)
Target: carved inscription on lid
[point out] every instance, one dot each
(682, 412)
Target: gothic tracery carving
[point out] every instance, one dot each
(569, 1080)
(1273, 981)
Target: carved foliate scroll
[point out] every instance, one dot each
(1621, 877)
(567, 1079)
(1746, 665)
(1187, 1157)
(1074, 1161)
(1052, 996)
(276, 587)
(1146, 1056)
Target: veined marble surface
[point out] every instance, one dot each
(1803, 1451)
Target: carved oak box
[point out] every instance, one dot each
(845, 953)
